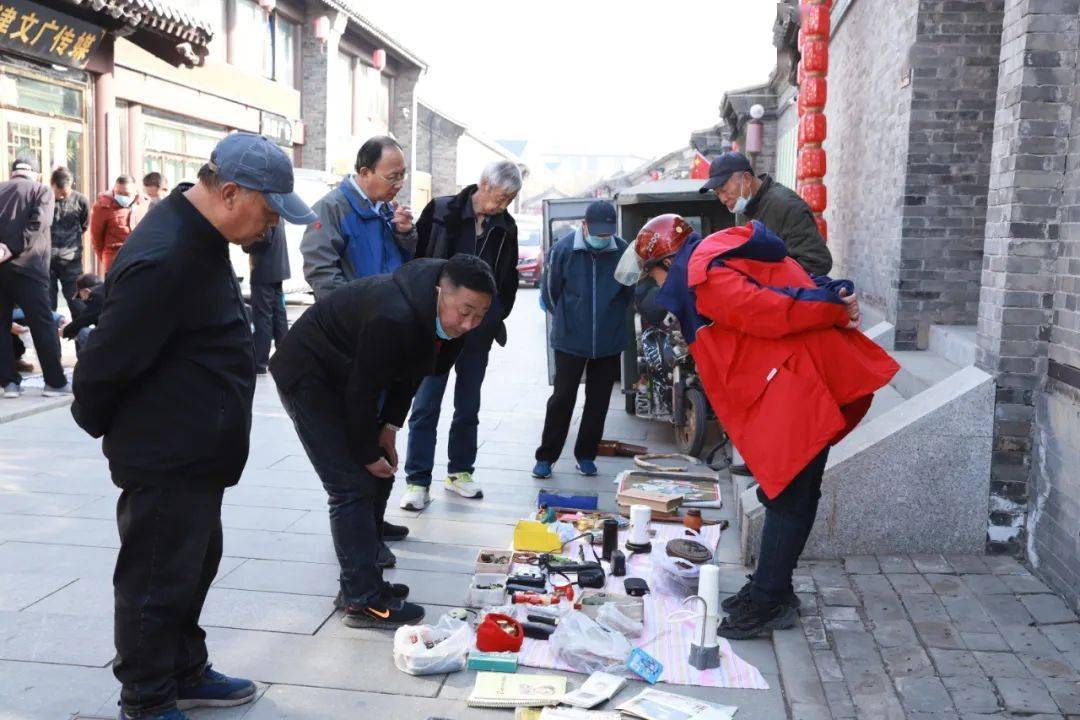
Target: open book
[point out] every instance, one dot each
(504, 690)
(657, 705)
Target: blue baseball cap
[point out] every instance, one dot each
(723, 167)
(254, 162)
(600, 217)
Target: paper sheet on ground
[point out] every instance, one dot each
(673, 646)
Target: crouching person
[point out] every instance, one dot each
(347, 372)
(786, 370)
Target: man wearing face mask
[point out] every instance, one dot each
(167, 378)
(588, 334)
(115, 214)
(781, 210)
(475, 222)
(346, 374)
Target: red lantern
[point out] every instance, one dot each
(816, 21)
(813, 91)
(800, 75)
(812, 128)
(816, 56)
(815, 196)
(823, 227)
(378, 59)
(811, 163)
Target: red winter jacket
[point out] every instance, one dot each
(110, 224)
(783, 375)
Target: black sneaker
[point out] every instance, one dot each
(754, 620)
(730, 604)
(392, 532)
(398, 591)
(386, 558)
(391, 614)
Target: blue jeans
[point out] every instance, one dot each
(357, 498)
(424, 419)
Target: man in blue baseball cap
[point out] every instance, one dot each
(167, 379)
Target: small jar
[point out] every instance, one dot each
(693, 520)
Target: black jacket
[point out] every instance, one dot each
(440, 229)
(89, 314)
(26, 213)
(70, 220)
(788, 216)
(269, 257)
(368, 337)
(168, 376)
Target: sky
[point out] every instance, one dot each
(595, 76)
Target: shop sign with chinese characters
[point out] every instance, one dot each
(31, 29)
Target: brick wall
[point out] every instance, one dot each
(867, 113)
(1053, 542)
(1031, 204)
(401, 123)
(437, 150)
(954, 67)
(315, 63)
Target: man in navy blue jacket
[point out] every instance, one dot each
(588, 333)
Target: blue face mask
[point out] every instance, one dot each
(597, 242)
(124, 200)
(439, 329)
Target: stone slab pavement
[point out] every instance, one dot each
(923, 637)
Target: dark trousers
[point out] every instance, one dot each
(32, 296)
(357, 498)
(424, 419)
(789, 518)
(170, 547)
(63, 273)
(600, 376)
(268, 317)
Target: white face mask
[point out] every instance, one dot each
(740, 204)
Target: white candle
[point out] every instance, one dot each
(709, 588)
(639, 524)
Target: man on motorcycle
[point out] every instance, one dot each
(785, 369)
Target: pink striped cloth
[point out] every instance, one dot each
(672, 646)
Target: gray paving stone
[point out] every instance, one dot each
(939, 635)
(290, 702)
(923, 694)
(255, 610)
(982, 585)
(872, 585)
(896, 564)
(1006, 610)
(948, 585)
(1027, 640)
(21, 590)
(972, 694)
(814, 629)
(907, 584)
(828, 666)
(894, 633)
(1025, 695)
(839, 596)
(931, 563)
(967, 614)
(925, 608)
(1024, 583)
(856, 649)
(1047, 608)
(874, 695)
(907, 660)
(839, 699)
(803, 583)
(989, 642)
(32, 690)
(1052, 665)
(955, 663)
(881, 607)
(58, 639)
(1066, 693)
(1004, 565)
(967, 563)
(1065, 637)
(861, 565)
(798, 674)
(1001, 665)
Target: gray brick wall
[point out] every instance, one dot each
(1031, 203)
(954, 67)
(401, 123)
(436, 150)
(867, 143)
(314, 99)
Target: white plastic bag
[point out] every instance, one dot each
(586, 646)
(449, 640)
(611, 617)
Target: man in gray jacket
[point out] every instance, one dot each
(26, 213)
(361, 231)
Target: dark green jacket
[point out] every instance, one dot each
(787, 215)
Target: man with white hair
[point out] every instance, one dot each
(474, 221)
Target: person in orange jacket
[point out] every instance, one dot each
(785, 369)
(113, 217)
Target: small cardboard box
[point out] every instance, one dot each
(490, 560)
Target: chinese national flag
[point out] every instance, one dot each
(699, 168)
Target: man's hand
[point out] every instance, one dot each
(5, 253)
(403, 218)
(852, 304)
(388, 442)
(380, 469)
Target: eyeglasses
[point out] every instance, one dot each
(394, 179)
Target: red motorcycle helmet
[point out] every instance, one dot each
(658, 239)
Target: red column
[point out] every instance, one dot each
(814, 29)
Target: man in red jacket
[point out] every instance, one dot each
(113, 217)
(786, 370)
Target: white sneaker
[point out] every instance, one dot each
(416, 498)
(12, 390)
(464, 485)
(57, 392)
